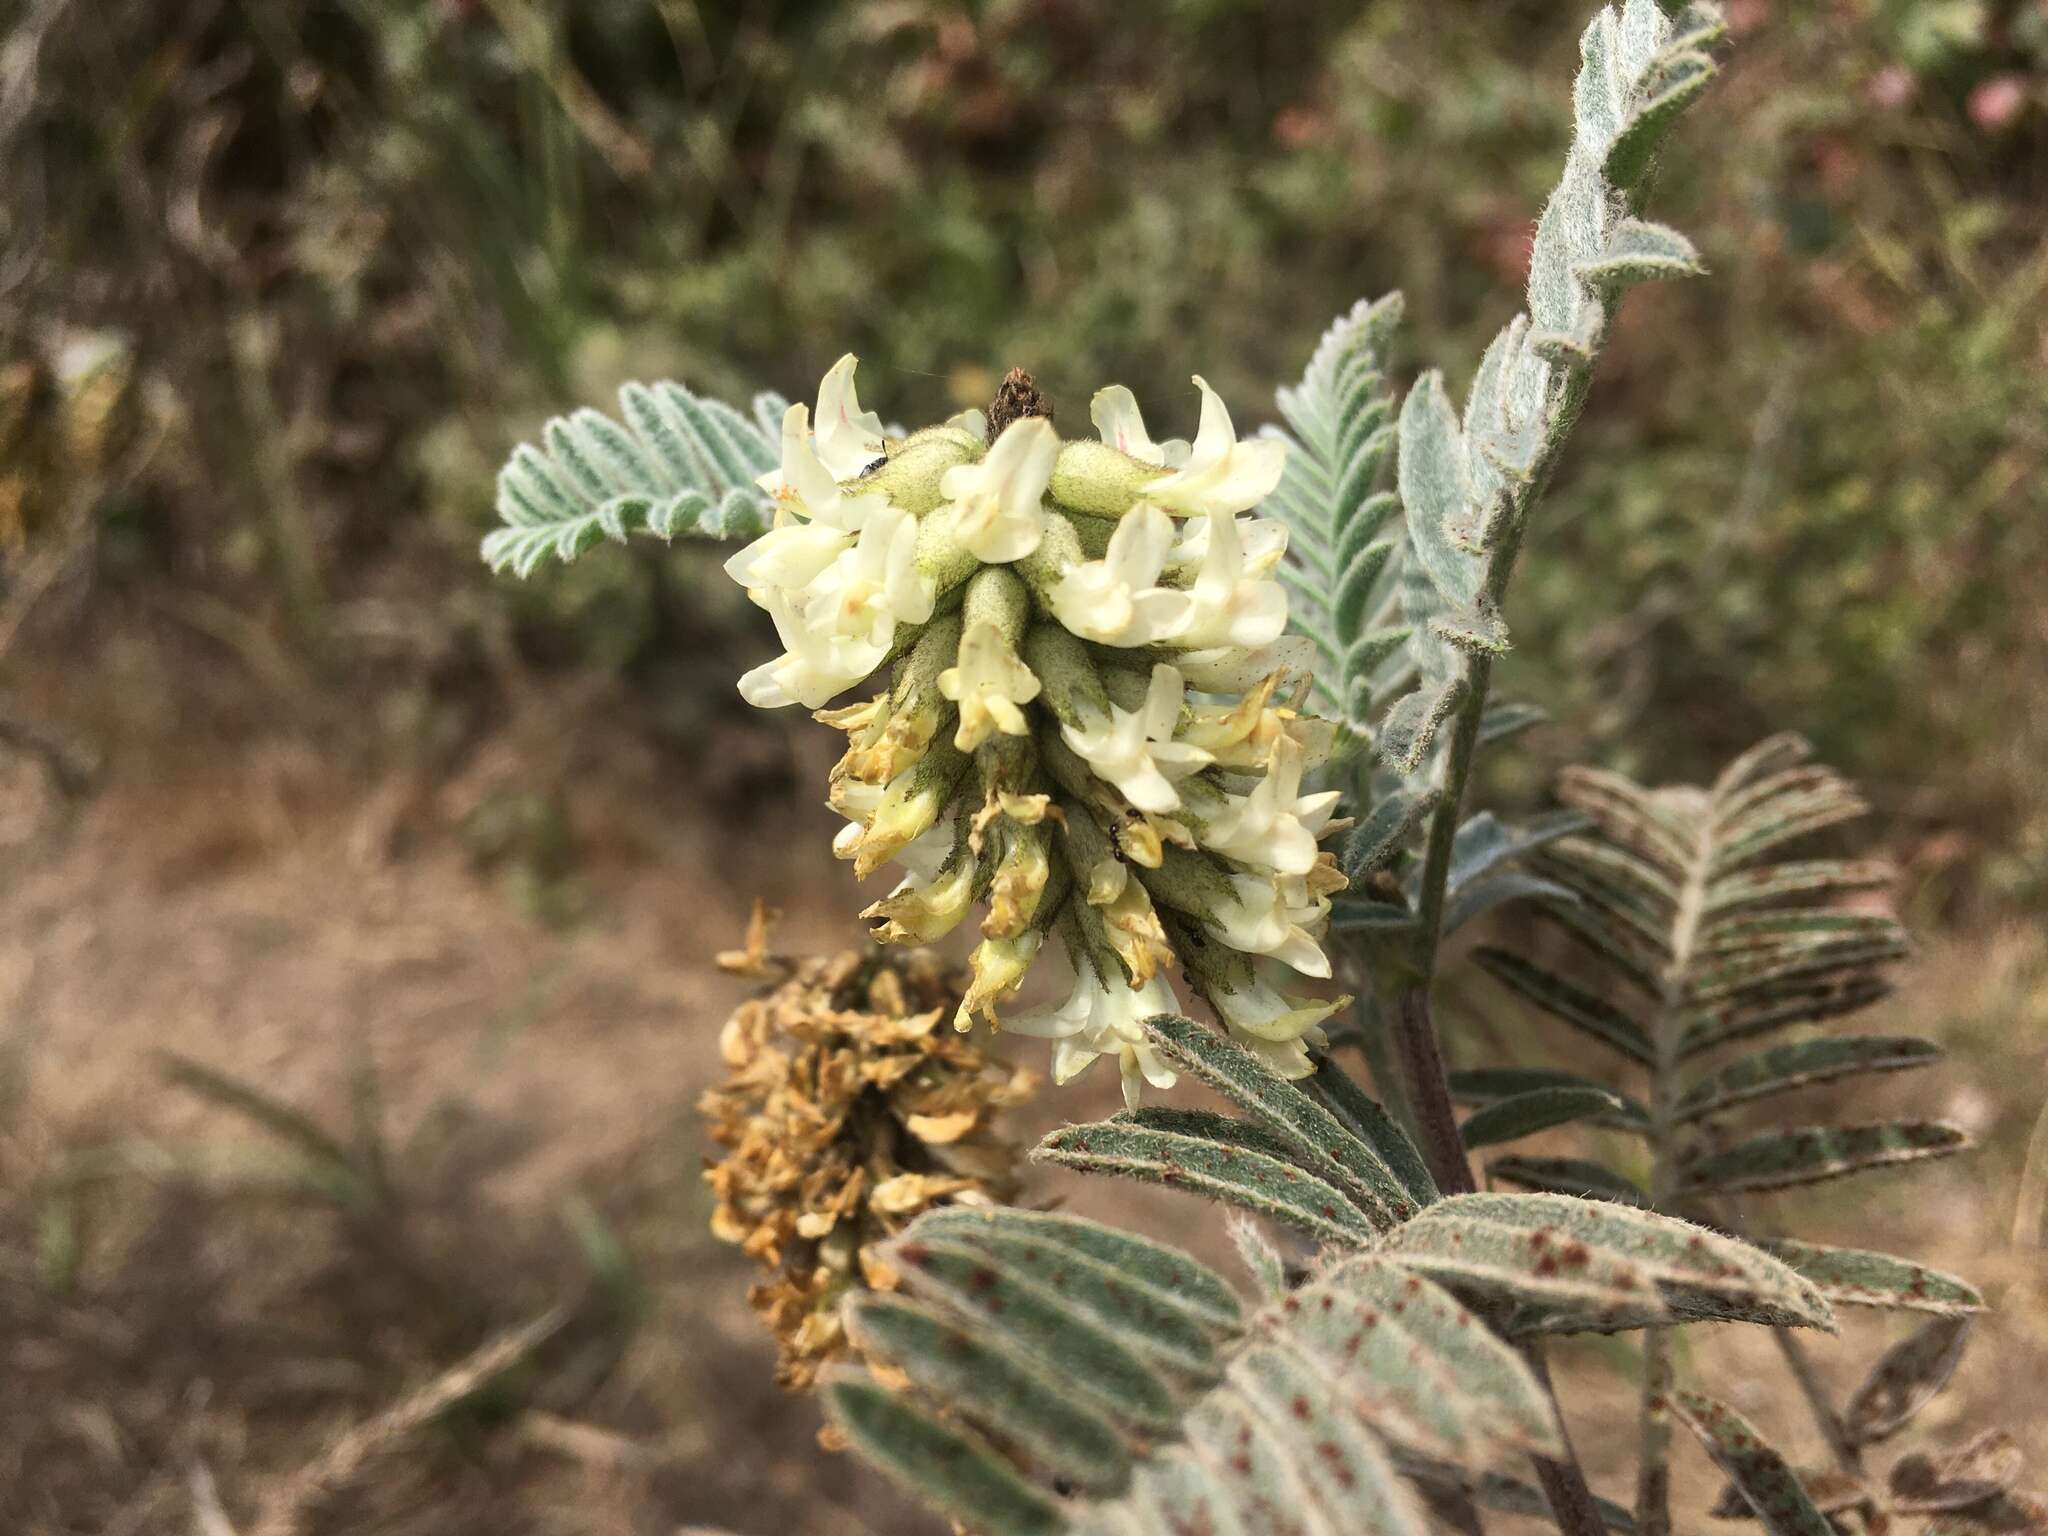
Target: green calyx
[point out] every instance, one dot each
(1098, 480)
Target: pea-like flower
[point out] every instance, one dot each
(1102, 1018)
(1134, 749)
(990, 685)
(1117, 600)
(996, 504)
(1090, 721)
(1221, 474)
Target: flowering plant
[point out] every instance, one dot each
(1131, 688)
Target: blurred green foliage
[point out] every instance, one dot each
(360, 247)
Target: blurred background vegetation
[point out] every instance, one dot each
(344, 255)
(280, 285)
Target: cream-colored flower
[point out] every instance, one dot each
(1135, 749)
(857, 801)
(806, 487)
(1275, 826)
(1256, 920)
(925, 855)
(1227, 605)
(1232, 669)
(817, 665)
(849, 439)
(923, 911)
(990, 684)
(1274, 1027)
(996, 503)
(791, 554)
(1132, 927)
(875, 585)
(1117, 600)
(1264, 540)
(995, 970)
(908, 810)
(1119, 423)
(1100, 1020)
(1221, 474)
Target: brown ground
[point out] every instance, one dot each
(256, 887)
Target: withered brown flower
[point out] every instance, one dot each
(849, 1108)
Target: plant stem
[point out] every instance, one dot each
(1443, 1149)
(1429, 1092)
(1653, 1463)
(1564, 1482)
(1815, 1391)
(1443, 821)
(1847, 1457)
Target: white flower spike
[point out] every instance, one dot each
(1100, 841)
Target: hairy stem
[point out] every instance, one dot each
(1653, 1460)
(1416, 1046)
(1653, 1468)
(1429, 1093)
(1443, 822)
(1443, 1149)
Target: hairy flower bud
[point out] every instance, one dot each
(1097, 479)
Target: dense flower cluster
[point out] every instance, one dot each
(847, 1110)
(1089, 724)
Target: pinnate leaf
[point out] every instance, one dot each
(679, 465)
(1783, 1158)
(1853, 1277)
(1906, 1379)
(1772, 1488)
(1255, 1181)
(956, 1473)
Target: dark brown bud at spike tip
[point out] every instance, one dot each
(1017, 396)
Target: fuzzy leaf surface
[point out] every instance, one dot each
(1317, 1140)
(1781, 1159)
(1772, 1488)
(1906, 1379)
(1853, 1277)
(674, 464)
(1237, 1174)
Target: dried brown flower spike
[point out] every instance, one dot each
(850, 1107)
